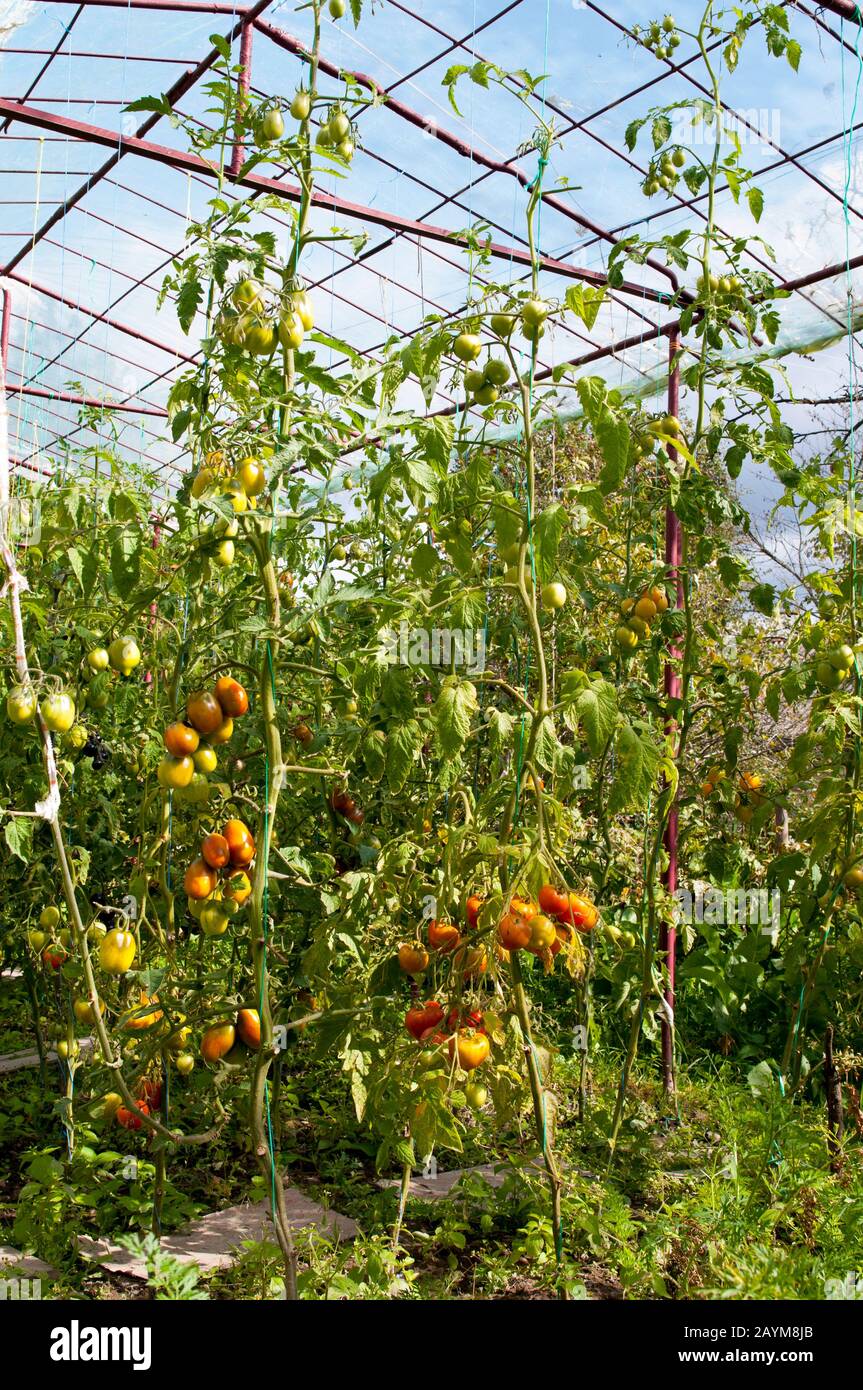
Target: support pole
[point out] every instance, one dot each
(672, 686)
(244, 79)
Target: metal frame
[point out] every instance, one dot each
(245, 20)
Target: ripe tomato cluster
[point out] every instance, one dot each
(226, 1041)
(216, 883)
(190, 745)
(638, 614)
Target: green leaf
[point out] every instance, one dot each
(550, 526)
(636, 765)
(591, 705)
(188, 302)
(763, 599)
(793, 53)
(660, 130)
(613, 437)
(125, 561)
(403, 745)
(585, 301)
(546, 746)
(452, 713)
(18, 834)
(755, 199)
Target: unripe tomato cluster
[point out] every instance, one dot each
(229, 1041)
(719, 286)
(663, 172)
(749, 796)
(342, 802)
(337, 133)
(248, 320)
(484, 383)
(638, 614)
(660, 37)
(190, 746)
(834, 665)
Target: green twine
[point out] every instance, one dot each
(265, 906)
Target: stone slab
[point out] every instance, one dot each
(12, 1262)
(14, 1061)
(213, 1241)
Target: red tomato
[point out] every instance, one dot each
(131, 1119)
(420, 1018)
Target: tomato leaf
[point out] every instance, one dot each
(636, 764)
(452, 713)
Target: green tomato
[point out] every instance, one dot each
(535, 312)
(214, 920)
(467, 347)
(841, 657)
(21, 704)
(246, 295)
(497, 371)
(553, 596)
(487, 394)
(301, 106)
(337, 8)
(98, 659)
(828, 676)
(476, 1095)
(339, 127)
(124, 655)
(272, 126)
(58, 712)
(291, 331)
(502, 324)
(474, 380)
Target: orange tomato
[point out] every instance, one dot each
(142, 1021)
(218, 1041)
(238, 887)
(473, 1048)
(443, 936)
(241, 846)
(181, 740)
(231, 696)
(513, 932)
(472, 960)
(204, 711)
(579, 913)
(215, 851)
(200, 879)
(413, 958)
(249, 1028)
(472, 907)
